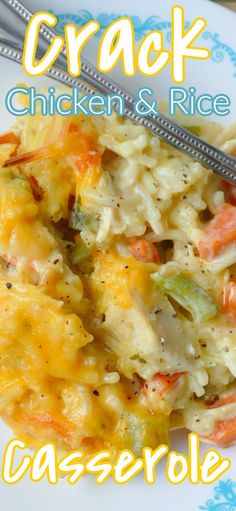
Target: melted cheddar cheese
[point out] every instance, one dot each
(58, 378)
(94, 352)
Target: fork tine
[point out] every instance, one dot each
(92, 81)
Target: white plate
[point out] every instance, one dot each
(213, 76)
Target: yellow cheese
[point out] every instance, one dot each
(116, 278)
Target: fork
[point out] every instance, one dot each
(14, 17)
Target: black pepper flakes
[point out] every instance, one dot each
(8, 285)
(95, 392)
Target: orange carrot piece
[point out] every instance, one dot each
(225, 434)
(219, 234)
(161, 383)
(222, 401)
(44, 420)
(229, 298)
(144, 251)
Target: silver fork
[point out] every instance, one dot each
(14, 17)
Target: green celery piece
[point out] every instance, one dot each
(189, 295)
(81, 256)
(80, 219)
(146, 431)
(80, 253)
